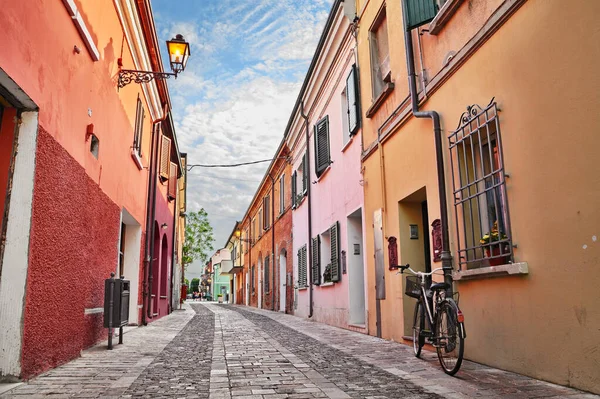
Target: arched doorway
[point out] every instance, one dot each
(155, 271)
(282, 280)
(164, 271)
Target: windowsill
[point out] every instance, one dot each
(136, 159)
(345, 147)
(329, 284)
(302, 288)
(324, 173)
(301, 201)
(443, 16)
(389, 87)
(509, 269)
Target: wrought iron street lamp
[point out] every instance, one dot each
(179, 53)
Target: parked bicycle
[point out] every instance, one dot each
(437, 318)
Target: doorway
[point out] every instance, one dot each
(282, 280)
(247, 290)
(259, 277)
(356, 268)
(414, 245)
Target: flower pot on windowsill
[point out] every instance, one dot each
(502, 260)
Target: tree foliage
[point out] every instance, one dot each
(198, 238)
(187, 282)
(195, 284)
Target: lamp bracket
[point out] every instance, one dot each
(127, 76)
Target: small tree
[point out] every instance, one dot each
(187, 282)
(198, 238)
(195, 284)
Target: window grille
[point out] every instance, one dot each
(479, 189)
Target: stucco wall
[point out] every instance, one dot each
(73, 248)
(548, 122)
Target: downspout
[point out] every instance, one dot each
(272, 240)
(152, 212)
(446, 256)
(307, 177)
(147, 258)
(173, 248)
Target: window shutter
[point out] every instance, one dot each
(294, 180)
(282, 194)
(316, 267)
(335, 252)
(322, 159)
(305, 173)
(352, 99)
(139, 126)
(304, 266)
(267, 273)
(419, 12)
(165, 155)
(172, 189)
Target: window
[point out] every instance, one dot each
(259, 232)
(267, 213)
(252, 280)
(266, 279)
(165, 156)
(139, 127)
(322, 156)
(246, 236)
(94, 145)
(281, 194)
(380, 60)
(122, 252)
(481, 206)
(300, 182)
(172, 188)
(253, 227)
(326, 252)
(302, 266)
(351, 105)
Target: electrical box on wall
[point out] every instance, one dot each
(356, 249)
(414, 232)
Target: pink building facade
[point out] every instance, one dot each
(328, 227)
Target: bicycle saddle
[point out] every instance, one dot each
(439, 286)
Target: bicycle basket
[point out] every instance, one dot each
(413, 287)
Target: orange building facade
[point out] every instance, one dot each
(518, 144)
(266, 230)
(78, 166)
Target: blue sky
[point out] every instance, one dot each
(248, 61)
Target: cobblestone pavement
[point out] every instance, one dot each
(222, 351)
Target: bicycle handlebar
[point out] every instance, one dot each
(407, 266)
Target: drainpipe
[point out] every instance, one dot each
(150, 216)
(173, 249)
(272, 241)
(310, 284)
(437, 130)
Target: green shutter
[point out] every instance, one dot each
(294, 179)
(322, 157)
(304, 267)
(419, 12)
(335, 252)
(316, 267)
(352, 101)
(305, 173)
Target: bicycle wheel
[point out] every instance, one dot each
(418, 325)
(449, 341)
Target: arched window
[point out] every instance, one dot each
(267, 273)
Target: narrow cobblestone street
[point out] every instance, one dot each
(222, 351)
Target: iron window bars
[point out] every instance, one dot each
(479, 189)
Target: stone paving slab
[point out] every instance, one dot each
(103, 373)
(473, 379)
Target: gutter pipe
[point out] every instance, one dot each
(272, 241)
(446, 256)
(307, 177)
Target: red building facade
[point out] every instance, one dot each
(266, 240)
(78, 159)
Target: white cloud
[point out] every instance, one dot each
(233, 101)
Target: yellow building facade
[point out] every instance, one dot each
(515, 84)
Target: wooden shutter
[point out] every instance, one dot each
(266, 212)
(139, 126)
(419, 12)
(352, 101)
(172, 189)
(266, 273)
(282, 194)
(302, 267)
(322, 158)
(165, 156)
(294, 181)
(316, 266)
(335, 252)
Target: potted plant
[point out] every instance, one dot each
(220, 298)
(494, 250)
